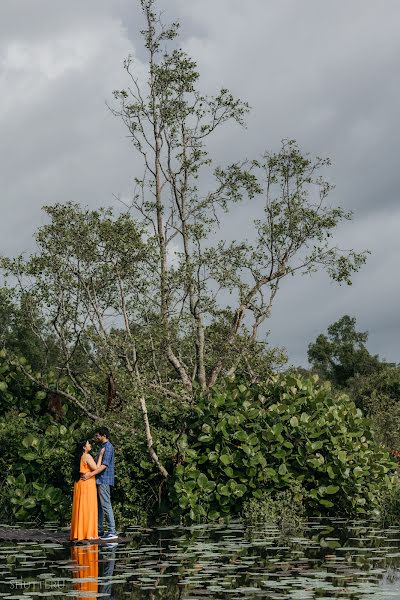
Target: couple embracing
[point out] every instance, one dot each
(93, 479)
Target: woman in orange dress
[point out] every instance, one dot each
(84, 504)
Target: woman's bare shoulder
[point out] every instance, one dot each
(88, 458)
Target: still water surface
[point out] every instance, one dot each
(330, 559)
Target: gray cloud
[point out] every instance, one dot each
(323, 73)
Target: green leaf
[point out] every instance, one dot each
(229, 472)
(253, 439)
(202, 481)
(317, 445)
(223, 490)
(342, 456)
(332, 489)
(211, 485)
(294, 421)
(247, 449)
(29, 502)
(29, 456)
(240, 490)
(241, 436)
(213, 515)
(52, 430)
(20, 480)
(226, 459)
(253, 413)
(183, 502)
(330, 472)
(282, 469)
(212, 456)
(28, 440)
(358, 472)
(327, 503)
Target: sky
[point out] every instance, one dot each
(324, 73)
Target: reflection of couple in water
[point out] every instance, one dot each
(93, 480)
(95, 568)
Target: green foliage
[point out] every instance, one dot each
(378, 395)
(36, 459)
(390, 505)
(20, 324)
(290, 431)
(35, 467)
(342, 355)
(284, 509)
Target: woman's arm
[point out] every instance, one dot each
(101, 454)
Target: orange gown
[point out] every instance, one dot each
(84, 507)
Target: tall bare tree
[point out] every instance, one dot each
(144, 296)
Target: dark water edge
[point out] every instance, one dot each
(329, 559)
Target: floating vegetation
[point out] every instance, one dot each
(330, 559)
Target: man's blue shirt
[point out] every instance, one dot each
(106, 476)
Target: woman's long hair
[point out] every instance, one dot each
(79, 450)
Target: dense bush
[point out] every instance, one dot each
(378, 395)
(390, 505)
(290, 431)
(34, 466)
(254, 445)
(284, 509)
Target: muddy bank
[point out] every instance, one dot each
(18, 534)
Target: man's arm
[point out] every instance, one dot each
(105, 462)
(97, 471)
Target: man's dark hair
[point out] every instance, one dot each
(103, 431)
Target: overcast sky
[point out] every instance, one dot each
(325, 73)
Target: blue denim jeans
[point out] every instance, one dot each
(105, 508)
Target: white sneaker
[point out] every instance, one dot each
(109, 536)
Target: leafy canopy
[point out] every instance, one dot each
(288, 433)
(342, 354)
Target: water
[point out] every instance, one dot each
(330, 559)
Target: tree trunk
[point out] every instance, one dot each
(149, 439)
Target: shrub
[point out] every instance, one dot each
(284, 510)
(378, 395)
(389, 512)
(35, 469)
(247, 441)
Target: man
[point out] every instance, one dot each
(104, 479)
